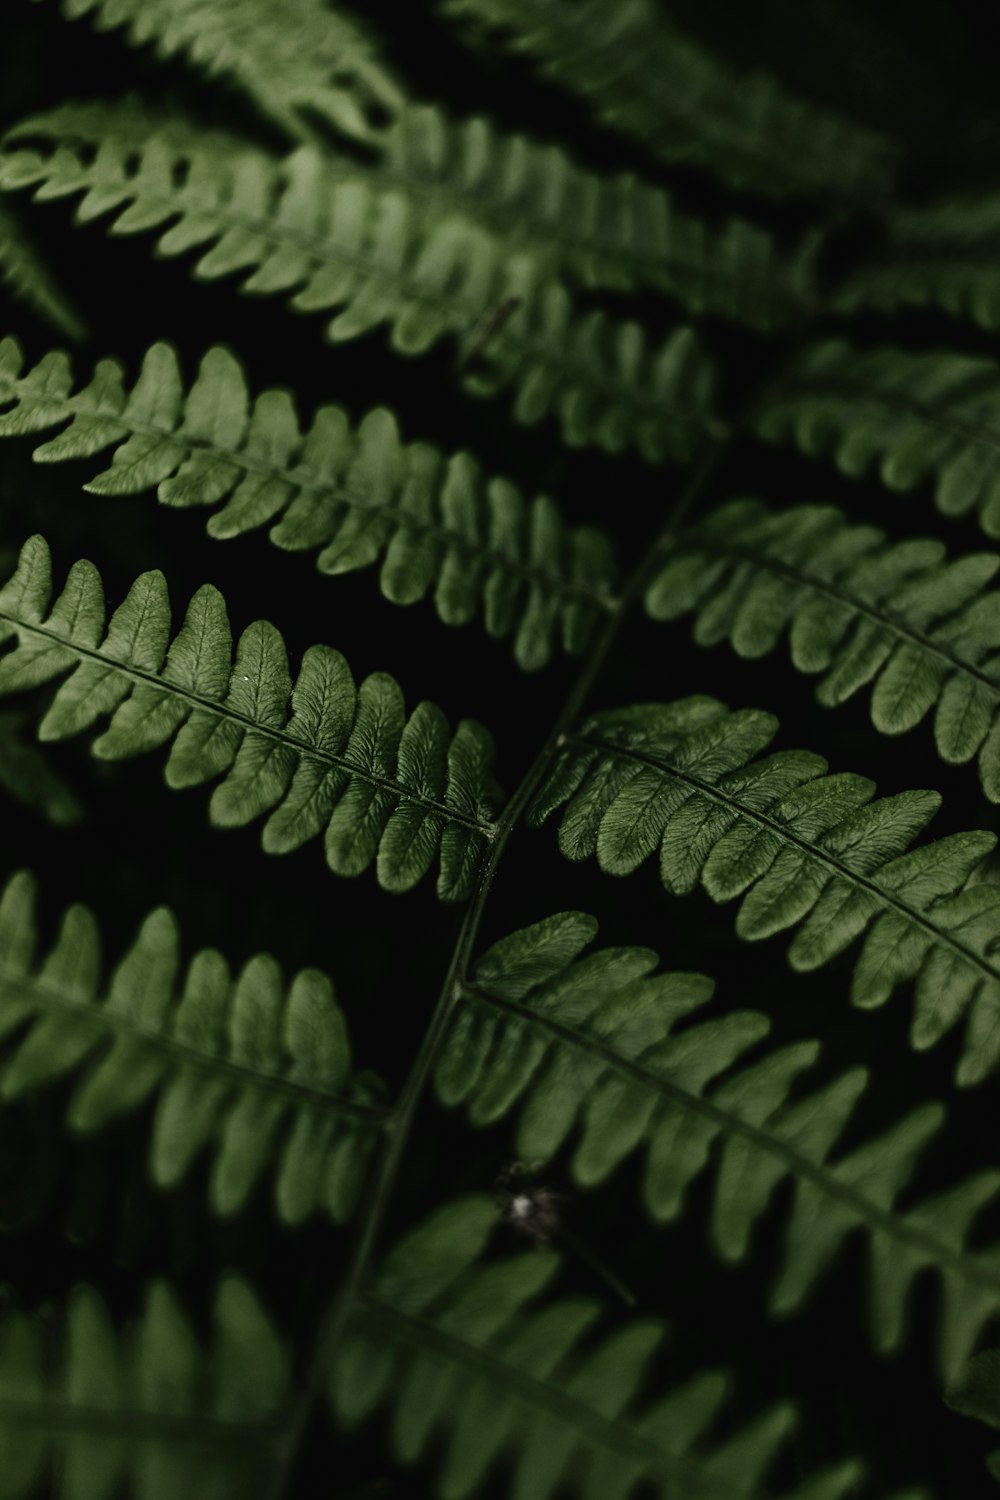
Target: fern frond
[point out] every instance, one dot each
(25, 775)
(319, 755)
(28, 278)
(943, 256)
(358, 494)
(87, 1410)
(800, 847)
(378, 256)
(924, 632)
(976, 1393)
(460, 1348)
(911, 417)
(641, 76)
(585, 1049)
(255, 1069)
(299, 61)
(603, 231)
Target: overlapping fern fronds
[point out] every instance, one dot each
(87, 1410)
(301, 62)
(585, 1049)
(643, 77)
(377, 256)
(617, 232)
(461, 1348)
(319, 755)
(913, 418)
(356, 493)
(802, 848)
(257, 1070)
(924, 632)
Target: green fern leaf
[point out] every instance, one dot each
(800, 847)
(976, 1393)
(148, 1409)
(25, 274)
(258, 1069)
(360, 495)
(299, 61)
(458, 1346)
(942, 256)
(585, 1048)
(378, 257)
(25, 775)
(644, 78)
(912, 417)
(923, 631)
(348, 761)
(615, 232)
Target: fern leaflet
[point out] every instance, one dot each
(976, 1393)
(943, 255)
(643, 77)
(152, 1411)
(359, 495)
(802, 848)
(25, 775)
(459, 1346)
(383, 786)
(25, 274)
(586, 1048)
(913, 417)
(379, 257)
(858, 609)
(301, 62)
(616, 232)
(259, 1070)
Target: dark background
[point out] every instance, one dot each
(77, 1210)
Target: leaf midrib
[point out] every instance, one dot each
(592, 1427)
(819, 1173)
(814, 851)
(250, 726)
(22, 393)
(894, 623)
(460, 315)
(30, 990)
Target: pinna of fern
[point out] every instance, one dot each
(586, 1049)
(302, 63)
(643, 77)
(463, 1348)
(322, 756)
(356, 493)
(92, 1409)
(858, 609)
(255, 1069)
(802, 849)
(910, 417)
(375, 256)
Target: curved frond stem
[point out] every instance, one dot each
(400, 1124)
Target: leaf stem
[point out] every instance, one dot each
(399, 1125)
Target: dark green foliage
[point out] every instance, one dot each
(450, 1343)
(801, 848)
(683, 241)
(318, 755)
(359, 495)
(586, 1048)
(642, 76)
(923, 631)
(259, 1069)
(354, 245)
(153, 1410)
(912, 418)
